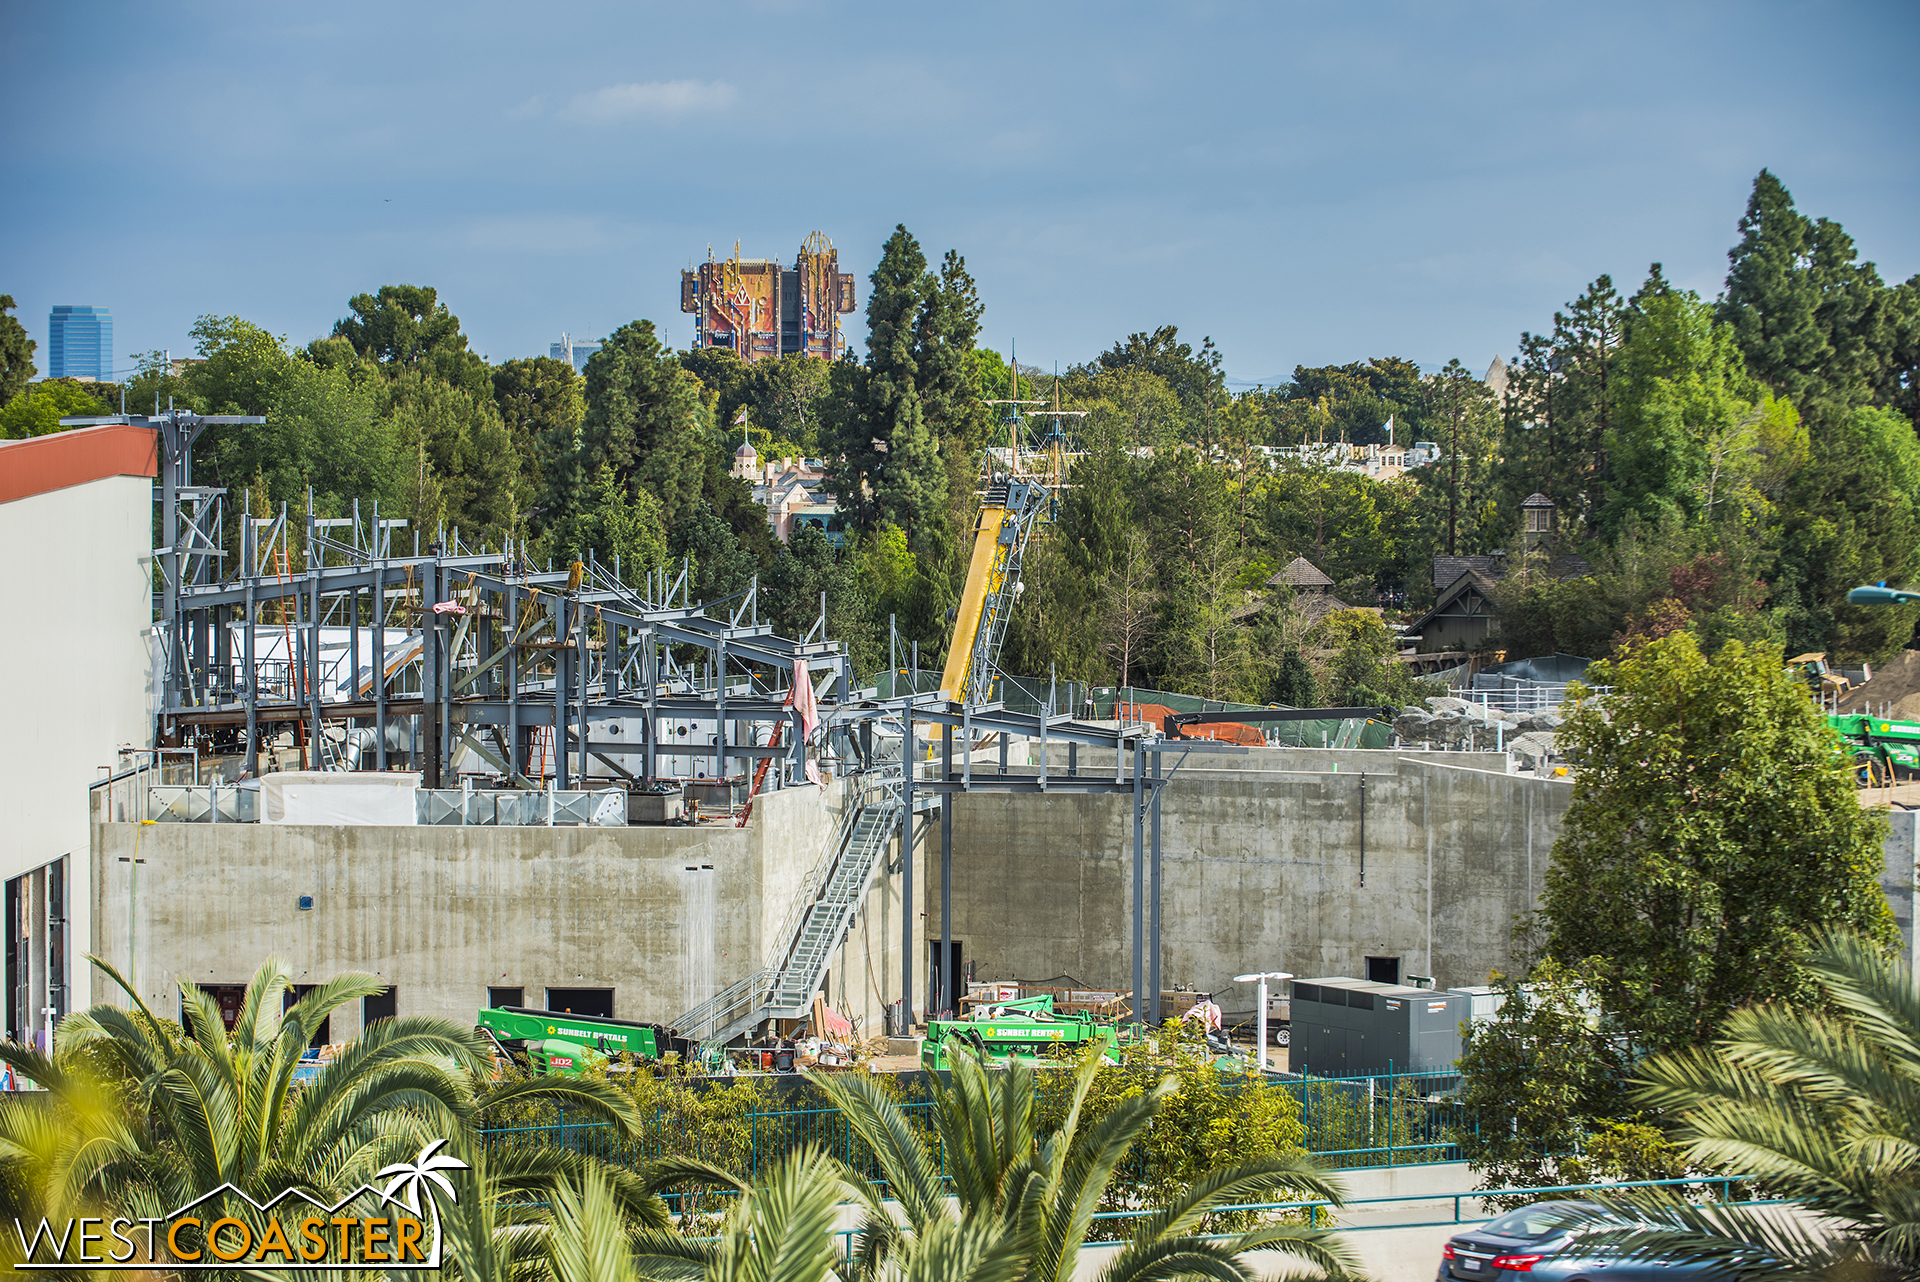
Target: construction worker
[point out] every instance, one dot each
(1206, 1013)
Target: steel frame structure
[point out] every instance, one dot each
(505, 647)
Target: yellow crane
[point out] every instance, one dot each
(1007, 518)
(1015, 501)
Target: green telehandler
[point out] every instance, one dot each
(1883, 750)
(564, 1043)
(1023, 1029)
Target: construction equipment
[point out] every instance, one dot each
(1174, 723)
(1882, 749)
(1023, 1029)
(1010, 510)
(1826, 684)
(564, 1043)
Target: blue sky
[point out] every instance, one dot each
(1307, 184)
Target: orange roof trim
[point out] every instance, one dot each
(42, 464)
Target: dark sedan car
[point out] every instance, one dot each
(1579, 1241)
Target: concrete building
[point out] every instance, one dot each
(76, 513)
(1268, 863)
(80, 343)
(651, 920)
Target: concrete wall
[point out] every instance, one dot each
(1901, 851)
(75, 654)
(1261, 869)
(663, 916)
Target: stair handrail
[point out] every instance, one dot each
(751, 992)
(783, 967)
(746, 993)
(866, 784)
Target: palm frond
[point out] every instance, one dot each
(597, 1098)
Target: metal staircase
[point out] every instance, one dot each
(818, 921)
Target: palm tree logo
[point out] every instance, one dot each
(423, 1175)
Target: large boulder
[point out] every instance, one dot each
(1533, 749)
(1412, 725)
(1544, 719)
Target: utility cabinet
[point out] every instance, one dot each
(1346, 1027)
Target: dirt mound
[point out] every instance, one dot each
(1896, 683)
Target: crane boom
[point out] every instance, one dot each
(1007, 517)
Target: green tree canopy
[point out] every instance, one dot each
(645, 419)
(1196, 378)
(1713, 829)
(1814, 323)
(463, 467)
(1683, 401)
(16, 352)
(897, 429)
(543, 403)
(408, 326)
(40, 408)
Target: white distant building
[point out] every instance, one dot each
(1383, 462)
(573, 351)
(794, 492)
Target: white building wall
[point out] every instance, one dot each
(74, 664)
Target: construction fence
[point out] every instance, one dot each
(1399, 1119)
(1138, 705)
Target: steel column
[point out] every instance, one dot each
(562, 682)
(511, 640)
(720, 712)
(581, 677)
(906, 867)
(379, 673)
(1153, 902)
(949, 982)
(246, 646)
(1139, 888)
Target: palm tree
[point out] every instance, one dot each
(146, 1118)
(1821, 1105)
(58, 1163)
(503, 1234)
(1032, 1197)
(227, 1102)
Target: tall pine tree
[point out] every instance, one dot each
(645, 418)
(904, 426)
(1813, 323)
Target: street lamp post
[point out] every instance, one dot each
(1881, 594)
(1260, 1015)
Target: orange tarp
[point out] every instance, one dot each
(1224, 731)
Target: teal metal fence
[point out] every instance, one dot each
(1398, 1119)
(1392, 1119)
(748, 1144)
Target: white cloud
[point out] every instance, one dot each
(657, 100)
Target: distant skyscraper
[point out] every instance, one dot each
(80, 343)
(573, 351)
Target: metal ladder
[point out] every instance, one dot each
(818, 921)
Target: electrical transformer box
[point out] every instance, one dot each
(1352, 1027)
